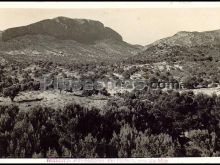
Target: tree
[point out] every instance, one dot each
(104, 92)
(36, 85)
(190, 82)
(153, 145)
(87, 93)
(11, 91)
(86, 148)
(126, 75)
(200, 143)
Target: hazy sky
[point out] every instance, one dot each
(137, 26)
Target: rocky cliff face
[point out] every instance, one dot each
(80, 30)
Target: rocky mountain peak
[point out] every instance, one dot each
(81, 30)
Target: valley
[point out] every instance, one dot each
(74, 88)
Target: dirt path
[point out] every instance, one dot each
(208, 91)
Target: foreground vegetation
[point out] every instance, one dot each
(140, 124)
(146, 123)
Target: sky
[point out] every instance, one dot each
(136, 25)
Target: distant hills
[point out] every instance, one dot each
(189, 39)
(66, 39)
(71, 41)
(182, 46)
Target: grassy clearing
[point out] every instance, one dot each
(53, 99)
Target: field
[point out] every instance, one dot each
(53, 99)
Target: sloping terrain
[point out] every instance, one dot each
(190, 39)
(38, 47)
(65, 40)
(0, 35)
(183, 45)
(80, 30)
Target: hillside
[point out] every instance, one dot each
(50, 48)
(81, 30)
(189, 39)
(65, 40)
(183, 45)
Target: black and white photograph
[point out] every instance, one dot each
(118, 80)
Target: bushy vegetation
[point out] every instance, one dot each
(147, 123)
(140, 124)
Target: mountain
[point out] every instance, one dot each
(139, 46)
(81, 30)
(189, 39)
(182, 46)
(65, 39)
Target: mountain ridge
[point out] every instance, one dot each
(90, 40)
(201, 38)
(81, 30)
(183, 44)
